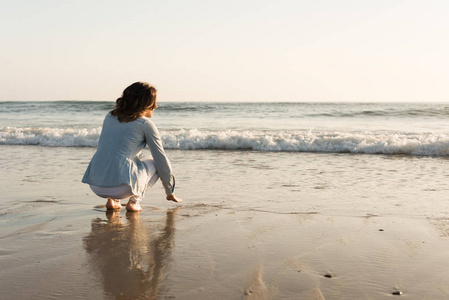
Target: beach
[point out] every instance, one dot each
(253, 225)
(308, 141)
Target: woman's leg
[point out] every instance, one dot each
(134, 201)
(152, 173)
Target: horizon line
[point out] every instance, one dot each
(259, 101)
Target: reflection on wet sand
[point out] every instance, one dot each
(130, 256)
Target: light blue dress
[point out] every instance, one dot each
(118, 159)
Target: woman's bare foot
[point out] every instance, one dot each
(173, 198)
(113, 204)
(133, 206)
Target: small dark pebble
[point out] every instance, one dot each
(381, 230)
(397, 293)
(328, 276)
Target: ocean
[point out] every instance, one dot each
(280, 201)
(372, 128)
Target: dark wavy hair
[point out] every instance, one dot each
(135, 99)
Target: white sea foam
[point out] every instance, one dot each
(329, 142)
(51, 137)
(425, 144)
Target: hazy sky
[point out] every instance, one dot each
(316, 50)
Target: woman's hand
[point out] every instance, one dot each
(173, 198)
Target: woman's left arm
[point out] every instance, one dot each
(161, 161)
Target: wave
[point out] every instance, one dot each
(438, 112)
(255, 109)
(50, 137)
(54, 107)
(423, 144)
(309, 141)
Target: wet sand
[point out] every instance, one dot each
(58, 241)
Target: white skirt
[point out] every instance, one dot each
(124, 191)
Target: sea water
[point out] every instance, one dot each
(420, 129)
(294, 190)
(328, 158)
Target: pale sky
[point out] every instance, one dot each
(316, 50)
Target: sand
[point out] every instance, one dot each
(225, 241)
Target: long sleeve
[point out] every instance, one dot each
(163, 166)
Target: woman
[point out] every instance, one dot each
(118, 169)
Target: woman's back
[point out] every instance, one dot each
(125, 139)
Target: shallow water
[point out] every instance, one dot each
(253, 225)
